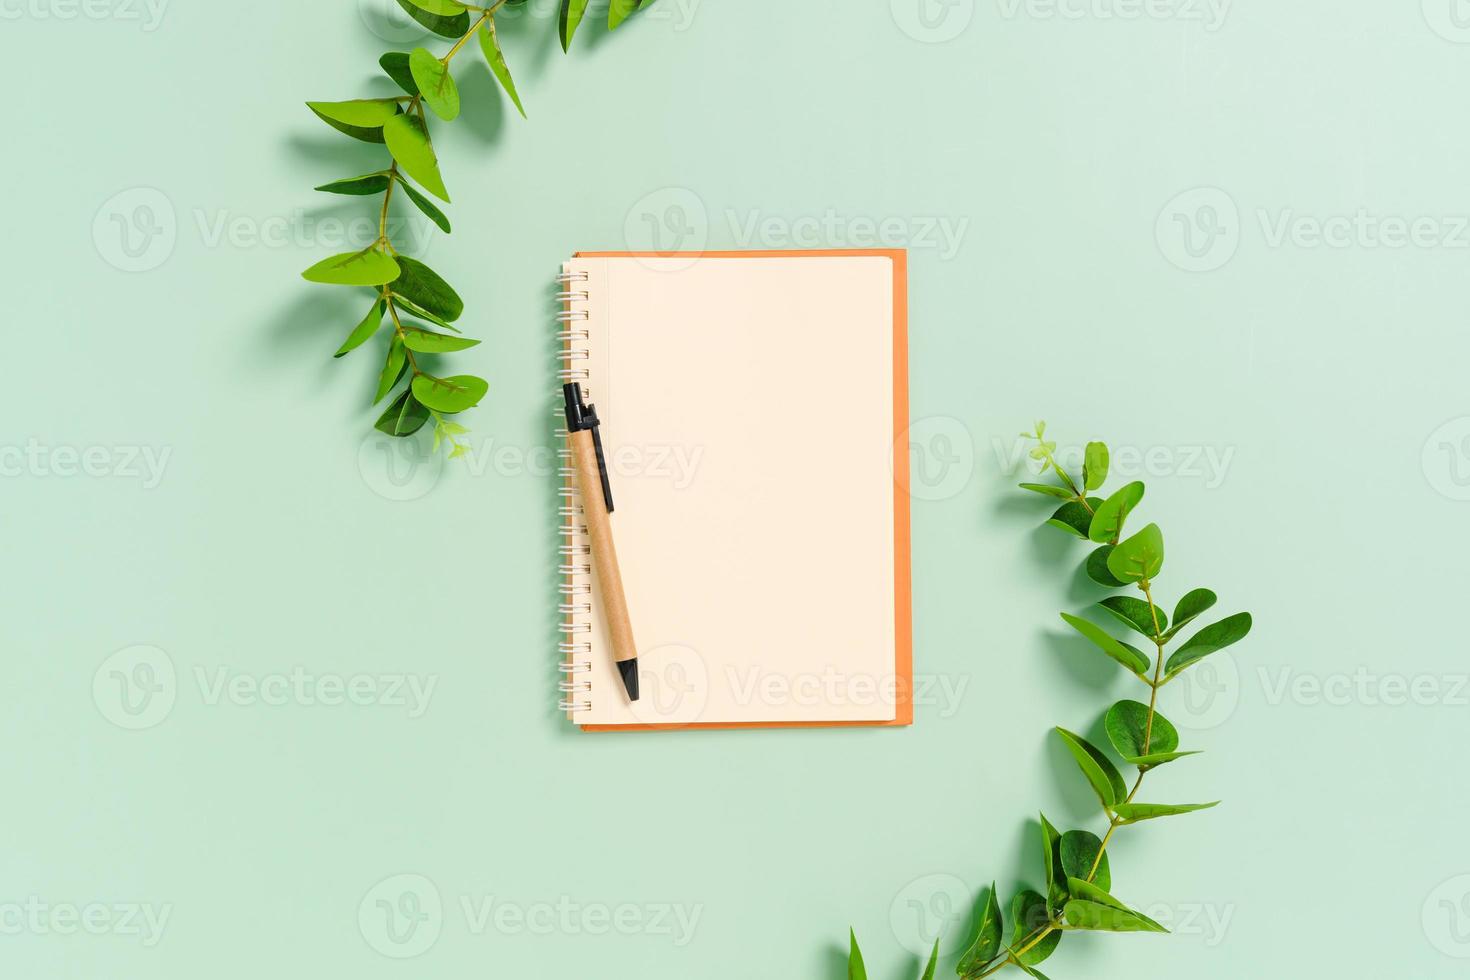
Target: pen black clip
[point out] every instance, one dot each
(581, 417)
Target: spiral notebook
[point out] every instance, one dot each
(754, 417)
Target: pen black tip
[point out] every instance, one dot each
(629, 671)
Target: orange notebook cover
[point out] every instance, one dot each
(754, 410)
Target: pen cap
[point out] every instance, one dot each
(579, 415)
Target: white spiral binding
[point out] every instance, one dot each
(575, 566)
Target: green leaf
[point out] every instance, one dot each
(1028, 915)
(453, 26)
(490, 45)
(1135, 812)
(1073, 518)
(424, 204)
(361, 119)
(1135, 614)
(1138, 557)
(426, 288)
(855, 968)
(365, 268)
(571, 16)
(392, 369)
(1107, 521)
(1079, 849)
(1106, 781)
(987, 939)
(395, 66)
(1126, 723)
(1216, 636)
(404, 417)
(444, 8)
(427, 342)
(1097, 568)
(1089, 892)
(1107, 918)
(1124, 654)
(410, 306)
(933, 962)
(1031, 970)
(450, 395)
(618, 11)
(1094, 465)
(365, 329)
(408, 140)
(433, 79)
(1046, 488)
(1159, 758)
(1193, 604)
(1056, 889)
(358, 186)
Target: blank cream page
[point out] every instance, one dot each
(748, 422)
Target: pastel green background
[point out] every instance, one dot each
(1071, 150)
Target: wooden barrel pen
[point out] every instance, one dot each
(597, 504)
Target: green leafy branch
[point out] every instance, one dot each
(418, 303)
(1078, 877)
